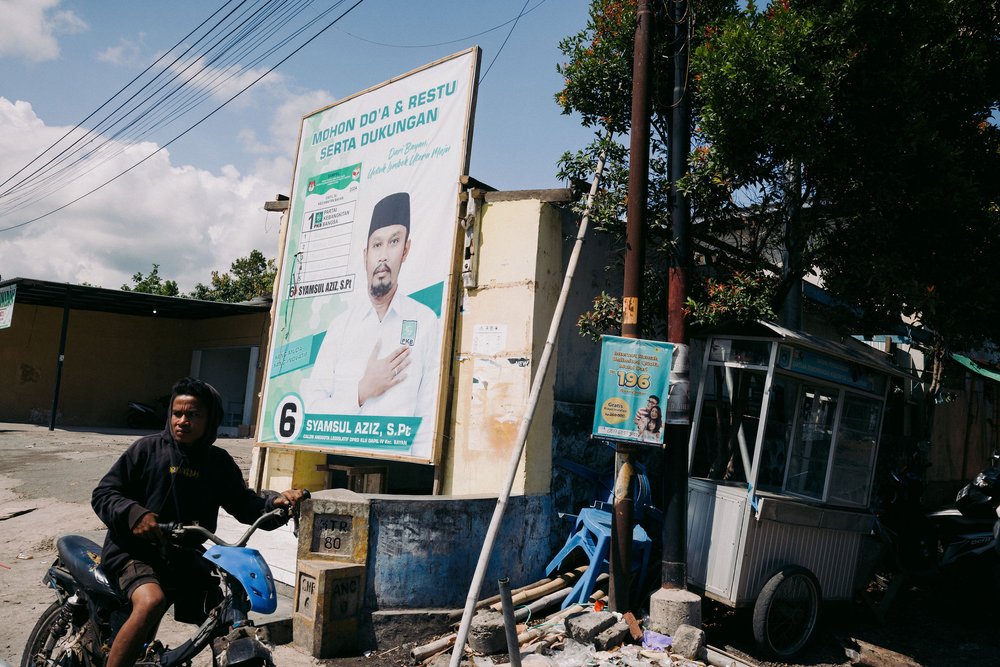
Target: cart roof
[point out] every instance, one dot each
(856, 352)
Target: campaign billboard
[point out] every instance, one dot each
(355, 360)
(632, 390)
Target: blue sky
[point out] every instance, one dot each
(199, 204)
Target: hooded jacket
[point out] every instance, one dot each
(184, 484)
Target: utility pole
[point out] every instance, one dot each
(674, 566)
(638, 187)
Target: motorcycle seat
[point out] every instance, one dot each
(82, 557)
(959, 521)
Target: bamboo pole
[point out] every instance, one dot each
(522, 434)
(549, 586)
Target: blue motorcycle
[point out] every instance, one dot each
(78, 628)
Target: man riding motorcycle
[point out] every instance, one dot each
(177, 475)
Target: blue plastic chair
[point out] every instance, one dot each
(592, 534)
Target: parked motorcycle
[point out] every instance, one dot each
(78, 628)
(955, 540)
(142, 416)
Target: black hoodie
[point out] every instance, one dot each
(186, 484)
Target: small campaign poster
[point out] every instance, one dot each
(7, 305)
(355, 361)
(632, 390)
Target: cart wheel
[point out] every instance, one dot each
(786, 612)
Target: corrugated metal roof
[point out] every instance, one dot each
(859, 353)
(81, 297)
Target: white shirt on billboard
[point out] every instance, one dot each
(332, 387)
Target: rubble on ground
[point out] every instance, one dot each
(579, 636)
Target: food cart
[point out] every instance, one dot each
(783, 446)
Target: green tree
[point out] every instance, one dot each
(248, 277)
(152, 283)
(858, 138)
(873, 143)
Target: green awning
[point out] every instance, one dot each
(976, 368)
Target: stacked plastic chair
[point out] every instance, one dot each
(592, 534)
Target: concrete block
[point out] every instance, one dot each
(688, 641)
(670, 608)
(334, 527)
(487, 634)
(585, 626)
(612, 637)
(327, 606)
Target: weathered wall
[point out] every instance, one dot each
(519, 253)
(965, 434)
(432, 566)
(421, 551)
(110, 359)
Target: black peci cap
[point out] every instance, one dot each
(393, 209)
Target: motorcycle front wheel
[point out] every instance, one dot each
(51, 643)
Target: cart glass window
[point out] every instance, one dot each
(730, 419)
(778, 433)
(740, 351)
(810, 452)
(853, 460)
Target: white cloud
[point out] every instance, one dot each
(222, 82)
(29, 28)
(188, 220)
(127, 52)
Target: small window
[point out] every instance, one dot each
(778, 433)
(810, 452)
(850, 478)
(730, 419)
(740, 351)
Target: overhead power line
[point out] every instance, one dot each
(509, 33)
(240, 41)
(457, 40)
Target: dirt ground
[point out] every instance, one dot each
(49, 476)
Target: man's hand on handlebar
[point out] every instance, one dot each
(148, 528)
(291, 497)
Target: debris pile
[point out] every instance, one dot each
(578, 635)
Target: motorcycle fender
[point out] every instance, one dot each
(59, 579)
(247, 566)
(244, 651)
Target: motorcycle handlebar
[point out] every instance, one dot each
(176, 530)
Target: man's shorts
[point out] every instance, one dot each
(135, 573)
(192, 590)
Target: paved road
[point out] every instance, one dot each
(52, 473)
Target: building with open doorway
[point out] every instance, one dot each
(82, 353)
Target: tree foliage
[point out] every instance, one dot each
(248, 277)
(860, 139)
(152, 283)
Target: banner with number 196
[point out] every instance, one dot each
(632, 390)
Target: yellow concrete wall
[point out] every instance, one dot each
(519, 280)
(110, 359)
(288, 469)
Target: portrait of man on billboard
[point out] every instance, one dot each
(380, 356)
